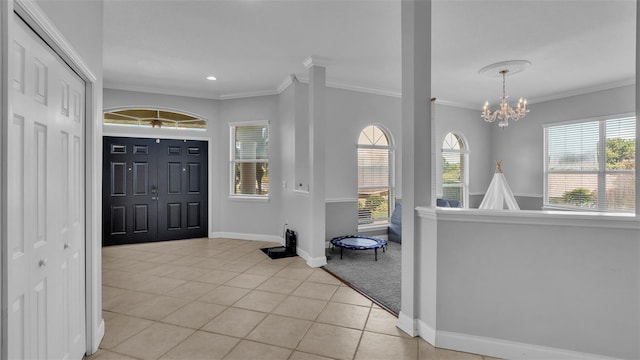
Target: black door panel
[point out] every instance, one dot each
(153, 191)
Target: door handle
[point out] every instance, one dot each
(42, 263)
(154, 193)
(67, 245)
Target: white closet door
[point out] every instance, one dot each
(46, 204)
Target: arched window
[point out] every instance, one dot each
(375, 177)
(155, 118)
(454, 170)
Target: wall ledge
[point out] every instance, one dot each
(427, 212)
(506, 349)
(341, 200)
(533, 217)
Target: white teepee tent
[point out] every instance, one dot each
(499, 195)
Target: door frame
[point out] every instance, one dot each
(33, 15)
(169, 135)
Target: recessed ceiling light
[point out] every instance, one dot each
(211, 78)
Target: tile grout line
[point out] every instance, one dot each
(189, 300)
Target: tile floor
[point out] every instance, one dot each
(224, 299)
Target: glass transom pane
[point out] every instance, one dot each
(154, 118)
(452, 142)
(373, 135)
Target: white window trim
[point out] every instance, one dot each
(155, 108)
(465, 169)
(602, 167)
(392, 171)
(232, 161)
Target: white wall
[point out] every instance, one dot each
(565, 281)
(228, 217)
(245, 216)
(205, 108)
(476, 133)
(296, 205)
(520, 145)
(348, 113)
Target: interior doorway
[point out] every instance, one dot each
(154, 190)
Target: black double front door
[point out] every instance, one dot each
(153, 190)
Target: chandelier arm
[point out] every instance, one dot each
(505, 112)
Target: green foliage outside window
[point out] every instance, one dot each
(579, 197)
(373, 207)
(621, 154)
(451, 172)
(373, 202)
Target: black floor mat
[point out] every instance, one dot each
(278, 252)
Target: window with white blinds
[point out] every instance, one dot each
(454, 159)
(250, 159)
(591, 165)
(375, 190)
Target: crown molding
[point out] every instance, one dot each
(158, 91)
(363, 89)
(289, 79)
(582, 91)
(249, 94)
(556, 96)
(440, 101)
(286, 82)
(316, 61)
(383, 92)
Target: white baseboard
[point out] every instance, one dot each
(407, 324)
(242, 236)
(97, 339)
(313, 262)
(506, 349)
(426, 332)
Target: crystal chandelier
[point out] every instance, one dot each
(505, 112)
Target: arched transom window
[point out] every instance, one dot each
(375, 177)
(154, 118)
(454, 170)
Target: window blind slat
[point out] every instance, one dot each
(375, 196)
(453, 163)
(250, 160)
(251, 142)
(574, 167)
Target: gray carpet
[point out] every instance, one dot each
(380, 279)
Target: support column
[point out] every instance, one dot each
(638, 126)
(637, 107)
(416, 169)
(317, 179)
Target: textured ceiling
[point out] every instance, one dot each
(252, 46)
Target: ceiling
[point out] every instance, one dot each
(252, 46)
